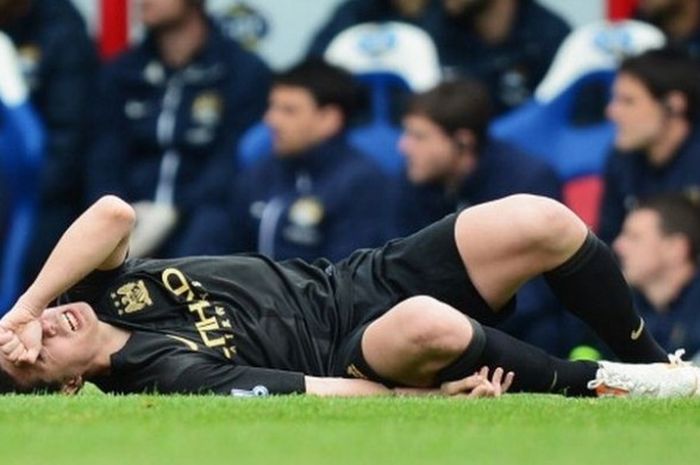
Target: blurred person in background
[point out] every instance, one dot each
(658, 249)
(452, 163)
(654, 108)
(315, 195)
(59, 63)
(169, 114)
(678, 19)
(507, 44)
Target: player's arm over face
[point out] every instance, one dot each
(98, 239)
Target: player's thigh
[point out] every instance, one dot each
(507, 242)
(414, 340)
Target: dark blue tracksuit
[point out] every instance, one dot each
(60, 65)
(169, 135)
(512, 69)
(502, 170)
(678, 326)
(326, 202)
(630, 177)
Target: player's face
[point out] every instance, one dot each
(69, 345)
(642, 247)
(431, 155)
(296, 120)
(157, 14)
(639, 118)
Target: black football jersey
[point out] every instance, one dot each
(239, 324)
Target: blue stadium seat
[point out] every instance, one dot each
(386, 57)
(546, 130)
(21, 150)
(255, 144)
(379, 137)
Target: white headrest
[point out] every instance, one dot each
(13, 90)
(392, 47)
(598, 46)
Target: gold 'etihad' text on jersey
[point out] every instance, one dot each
(207, 325)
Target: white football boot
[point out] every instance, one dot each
(674, 379)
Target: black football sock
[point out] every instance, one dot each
(535, 370)
(592, 287)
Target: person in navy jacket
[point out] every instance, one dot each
(59, 63)
(169, 115)
(314, 196)
(452, 163)
(507, 44)
(658, 250)
(657, 143)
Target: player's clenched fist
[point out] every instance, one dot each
(21, 332)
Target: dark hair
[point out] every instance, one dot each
(8, 385)
(328, 84)
(679, 213)
(454, 105)
(664, 71)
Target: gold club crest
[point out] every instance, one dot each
(132, 297)
(207, 108)
(306, 212)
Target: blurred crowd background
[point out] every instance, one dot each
(310, 129)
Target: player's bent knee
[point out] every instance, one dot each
(546, 225)
(434, 329)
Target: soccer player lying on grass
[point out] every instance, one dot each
(404, 315)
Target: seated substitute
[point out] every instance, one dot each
(401, 315)
(452, 162)
(169, 115)
(315, 195)
(658, 250)
(508, 44)
(655, 110)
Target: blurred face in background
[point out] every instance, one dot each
(465, 7)
(658, 11)
(410, 8)
(297, 121)
(639, 118)
(644, 250)
(164, 14)
(431, 154)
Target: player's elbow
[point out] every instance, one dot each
(116, 211)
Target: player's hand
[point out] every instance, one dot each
(22, 335)
(479, 384)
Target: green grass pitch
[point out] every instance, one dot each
(516, 429)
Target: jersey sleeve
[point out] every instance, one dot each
(92, 287)
(221, 378)
(157, 367)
